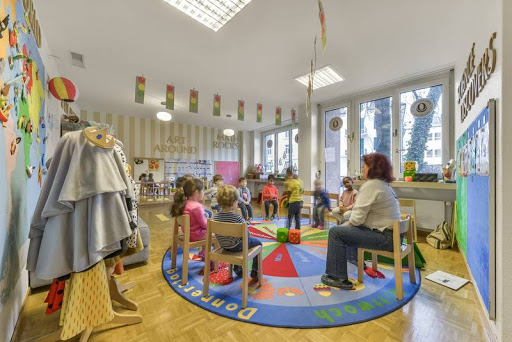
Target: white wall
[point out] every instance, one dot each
(504, 181)
(482, 20)
(309, 144)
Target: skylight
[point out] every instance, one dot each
(211, 13)
(323, 77)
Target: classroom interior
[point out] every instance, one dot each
(107, 108)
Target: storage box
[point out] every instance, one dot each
(294, 236)
(282, 235)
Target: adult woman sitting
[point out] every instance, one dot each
(370, 224)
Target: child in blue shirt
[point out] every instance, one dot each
(322, 203)
(244, 199)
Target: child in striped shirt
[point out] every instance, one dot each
(227, 197)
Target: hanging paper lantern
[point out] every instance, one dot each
(63, 89)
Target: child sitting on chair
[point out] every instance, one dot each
(244, 199)
(269, 196)
(187, 201)
(321, 204)
(211, 193)
(227, 197)
(347, 201)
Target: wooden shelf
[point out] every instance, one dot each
(418, 185)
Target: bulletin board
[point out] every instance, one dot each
(197, 168)
(476, 200)
(229, 170)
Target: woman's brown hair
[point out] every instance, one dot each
(379, 167)
(182, 194)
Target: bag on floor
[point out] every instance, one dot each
(441, 237)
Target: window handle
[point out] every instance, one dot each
(395, 133)
(398, 150)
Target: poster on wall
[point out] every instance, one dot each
(484, 151)
(23, 138)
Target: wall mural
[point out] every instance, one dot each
(22, 145)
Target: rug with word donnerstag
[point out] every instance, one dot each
(291, 294)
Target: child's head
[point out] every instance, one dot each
(318, 184)
(218, 180)
(150, 176)
(289, 173)
(271, 179)
(242, 182)
(347, 183)
(180, 181)
(227, 197)
(142, 176)
(192, 190)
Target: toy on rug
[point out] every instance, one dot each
(294, 236)
(282, 235)
(409, 171)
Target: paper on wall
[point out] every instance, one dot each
(330, 155)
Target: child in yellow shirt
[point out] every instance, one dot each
(294, 187)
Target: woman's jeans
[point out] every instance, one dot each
(343, 244)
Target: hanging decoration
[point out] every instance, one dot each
(216, 105)
(311, 80)
(259, 112)
(294, 118)
(422, 107)
(63, 89)
(140, 87)
(241, 110)
(193, 106)
(321, 16)
(169, 97)
(278, 116)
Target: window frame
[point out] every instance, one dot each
(275, 133)
(393, 90)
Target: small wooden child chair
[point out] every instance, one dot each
(400, 251)
(410, 204)
(185, 243)
(233, 258)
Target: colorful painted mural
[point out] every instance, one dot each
(22, 144)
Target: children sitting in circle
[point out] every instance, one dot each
(187, 201)
(321, 204)
(294, 188)
(244, 199)
(269, 196)
(347, 201)
(211, 193)
(228, 198)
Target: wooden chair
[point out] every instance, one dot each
(185, 243)
(332, 198)
(308, 205)
(233, 258)
(262, 209)
(400, 251)
(411, 205)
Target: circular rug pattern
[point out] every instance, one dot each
(291, 294)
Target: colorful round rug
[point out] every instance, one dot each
(291, 294)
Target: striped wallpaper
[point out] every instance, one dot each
(141, 135)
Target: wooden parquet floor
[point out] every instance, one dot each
(436, 313)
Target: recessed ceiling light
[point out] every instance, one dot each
(323, 77)
(164, 116)
(211, 13)
(229, 132)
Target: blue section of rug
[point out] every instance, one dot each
(291, 294)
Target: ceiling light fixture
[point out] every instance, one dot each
(164, 116)
(229, 132)
(323, 77)
(211, 13)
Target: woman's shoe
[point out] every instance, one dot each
(335, 282)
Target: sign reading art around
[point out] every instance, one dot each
(224, 141)
(474, 78)
(422, 107)
(175, 145)
(335, 124)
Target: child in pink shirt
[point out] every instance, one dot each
(187, 202)
(347, 201)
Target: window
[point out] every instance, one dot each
(420, 134)
(281, 151)
(375, 118)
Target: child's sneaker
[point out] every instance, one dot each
(273, 217)
(239, 271)
(314, 225)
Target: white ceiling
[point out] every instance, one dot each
(254, 57)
